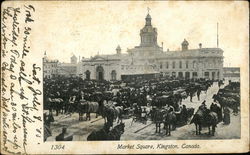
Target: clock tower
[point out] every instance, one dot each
(148, 34)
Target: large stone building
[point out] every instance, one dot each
(149, 60)
(49, 67)
(54, 68)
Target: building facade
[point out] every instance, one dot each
(149, 60)
(231, 72)
(49, 67)
(54, 68)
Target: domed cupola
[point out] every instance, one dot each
(148, 34)
(148, 20)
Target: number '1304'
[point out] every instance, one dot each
(57, 147)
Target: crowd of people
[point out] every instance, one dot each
(155, 92)
(63, 94)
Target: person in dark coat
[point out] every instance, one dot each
(203, 106)
(191, 94)
(198, 94)
(213, 107)
(184, 116)
(226, 118)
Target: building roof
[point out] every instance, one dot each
(66, 65)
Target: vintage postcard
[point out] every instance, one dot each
(124, 77)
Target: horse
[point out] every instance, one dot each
(119, 111)
(215, 108)
(190, 112)
(169, 121)
(205, 118)
(56, 104)
(158, 119)
(87, 107)
(111, 112)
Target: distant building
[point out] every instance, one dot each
(73, 59)
(67, 69)
(231, 72)
(149, 60)
(54, 68)
(49, 67)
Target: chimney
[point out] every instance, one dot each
(200, 45)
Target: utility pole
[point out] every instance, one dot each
(217, 35)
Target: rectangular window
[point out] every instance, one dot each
(194, 64)
(167, 65)
(206, 74)
(186, 64)
(180, 64)
(174, 64)
(195, 74)
(160, 65)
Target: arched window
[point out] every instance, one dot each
(100, 73)
(113, 75)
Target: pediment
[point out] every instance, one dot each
(98, 58)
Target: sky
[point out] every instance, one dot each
(86, 28)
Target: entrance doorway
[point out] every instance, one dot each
(113, 75)
(87, 75)
(100, 73)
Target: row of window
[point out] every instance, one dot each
(180, 65)
(50, 71)
(187, 64)
(50, 65)
(123, 67)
